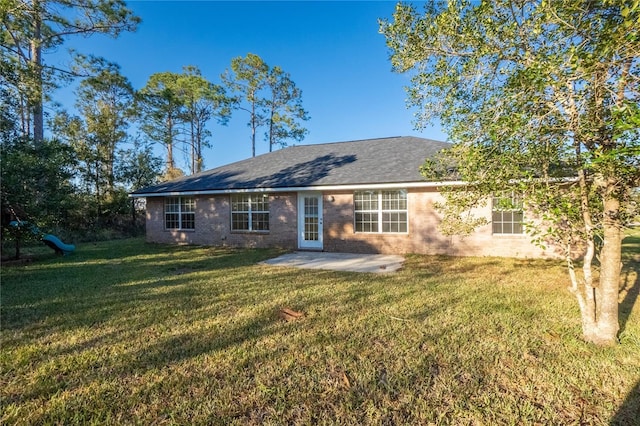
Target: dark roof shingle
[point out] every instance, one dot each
(370, 161)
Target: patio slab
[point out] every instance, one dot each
(373, 263)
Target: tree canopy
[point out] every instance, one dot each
(31, 28)
(270, 97)
(54, 182)
(202, 101)
(175, 110)
(541, 98)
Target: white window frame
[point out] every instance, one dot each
(181, 203)
(253, 200)
(379, 212)
(512, 226)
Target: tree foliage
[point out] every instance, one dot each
(161, 109)
(138, 167)
(270, 97)
(35, 182)
(247, 78)
(202, 101)
(283, 109)
(31, 28)
(540, 98)
(175, 111)
(45, 180)
(105, 102)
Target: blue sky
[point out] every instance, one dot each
(332, 50)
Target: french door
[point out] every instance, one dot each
(310, 220)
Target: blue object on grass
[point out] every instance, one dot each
(55, 243)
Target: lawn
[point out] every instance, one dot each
(127, 332)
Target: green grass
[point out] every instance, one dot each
(127, 332)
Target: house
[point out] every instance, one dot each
(364, 196)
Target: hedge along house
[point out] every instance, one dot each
(364, 196)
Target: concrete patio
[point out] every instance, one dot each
(372, 263)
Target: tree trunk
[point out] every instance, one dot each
(98, 192)
(36, 68)
(599, 302)
(133, 216)
(25, 115)
(605, 329)
(193, 138)
(253, 129)
(199, 159)
(111, 147)
(17, 257)
(170, 156)
(169, 143)
(271, 131)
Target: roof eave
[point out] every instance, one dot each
(346, 187)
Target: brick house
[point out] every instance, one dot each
(362, 196)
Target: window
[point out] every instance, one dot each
(507, 215)
(179, 213)
(250, 212)
(381, 211)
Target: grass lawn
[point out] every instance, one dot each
(127, 332)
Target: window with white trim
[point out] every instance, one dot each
(381, 211)
(249, 212)
(179, 213)
(507, 215)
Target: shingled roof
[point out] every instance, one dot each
(364, 162)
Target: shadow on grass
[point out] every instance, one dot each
(131, 334)
(101, 281)
(175, 349)
(630, 278)
(160, 353)
(629, 412)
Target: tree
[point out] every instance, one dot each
(177, 108)
(138, 167)
(270, 97)
(36, 182)
(162, 110)
(13, 96)
(283, 107)
(30, 28)
(202, 100)
(106, 105)
(106, 101)
(541, 99)
(9, 110)
(248, 76)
